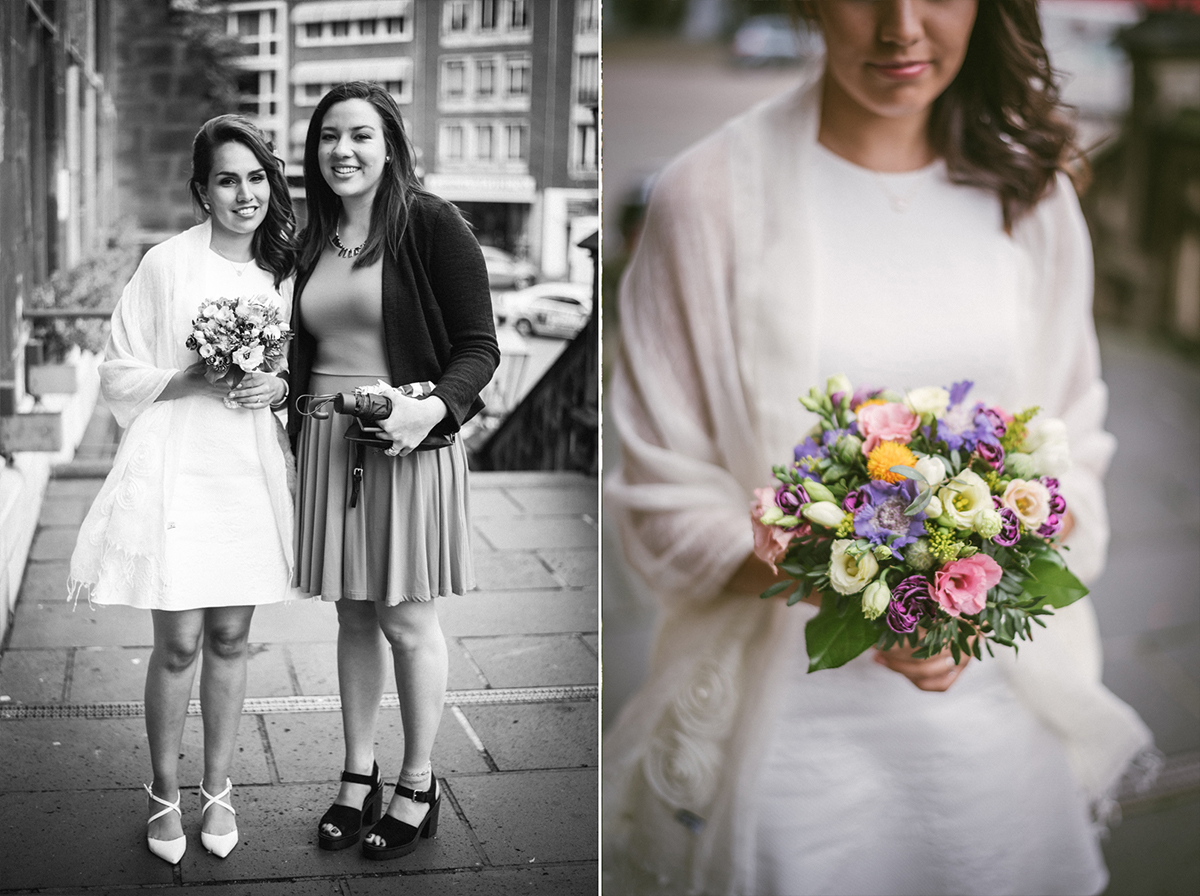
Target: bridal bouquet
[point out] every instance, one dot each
(919, 518)
(236, 336)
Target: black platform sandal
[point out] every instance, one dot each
(347, 819)
(399, 838)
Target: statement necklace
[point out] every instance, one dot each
(343, 252)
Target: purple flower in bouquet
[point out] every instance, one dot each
(861, 395)
(998, 423)
(991, 454)
(1058, 504)
(789, 501)
(1010, 529)
(855, 499)
(964, 427)
(1051, 527)
(882, 520)
(909, 602)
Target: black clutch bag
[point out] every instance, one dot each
(371, 407)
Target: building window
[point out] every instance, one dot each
(588, 79)
(487, 15)
(454, 73)
(314, 92)
(452, 143)
(518, 16)
(312, 30)
(247, 24)
(585, 142)
(457, 16)
(256, 31)
(485, 78)
(367, 27)
(341, 29)
(394, 24)
(516, 138)
(518, 77)
(587, 19)
(483, 142)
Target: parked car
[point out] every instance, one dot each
(771, 39)
(548, 309)
(506, 271)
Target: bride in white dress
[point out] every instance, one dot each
(901, 217)
(194, 523)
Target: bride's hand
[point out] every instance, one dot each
(258, 390)
(936, 673)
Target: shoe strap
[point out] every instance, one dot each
(219, 798)
(419, 796)
(370, 780)
(171, 807)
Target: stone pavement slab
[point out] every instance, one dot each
(290, 887)
(577, 568)
(295, 622)
(499, 613)
(527, 817)
(514, 661)
(307, 747)
(540, 735)
(278, 827)
(540, 532)
(53, 543)
(492, 502)
(555, 500)
(106, 821)
(44, 618)
(34, 676)
(512, 571)
(555, 880)
(104, 754)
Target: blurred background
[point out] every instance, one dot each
(674, 71)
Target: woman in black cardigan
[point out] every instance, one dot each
(392, 294)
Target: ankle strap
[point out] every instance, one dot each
(370, 780)
(219, 798)
(171, 807)
(420, 796)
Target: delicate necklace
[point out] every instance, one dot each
(239, 267)
(343, 252)
(900, 202)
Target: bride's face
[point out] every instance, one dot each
(893, 58)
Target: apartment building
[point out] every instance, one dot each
(499, 97)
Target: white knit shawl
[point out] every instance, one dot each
(716, 343)
(119, 555)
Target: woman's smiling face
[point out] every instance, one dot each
(893, 58)
(237, 191)
(353, 152)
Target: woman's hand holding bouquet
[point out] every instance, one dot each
(921, 520)
(238, 341)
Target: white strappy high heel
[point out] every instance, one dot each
(167, 850)
(220, 845)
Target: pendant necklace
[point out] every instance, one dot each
(239, 267)
(343, 252)
(900, 202)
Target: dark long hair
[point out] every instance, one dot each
(1000, 124)
(394, 197)
(273, 244)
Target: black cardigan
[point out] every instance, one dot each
(437, 316)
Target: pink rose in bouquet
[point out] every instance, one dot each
(891, 422)
(961, 586)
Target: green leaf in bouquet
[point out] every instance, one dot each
(775, 589)
(919, 503)
(908, 472)
(955, 460)
(832, 639)
(1052, 582)
(836, 471)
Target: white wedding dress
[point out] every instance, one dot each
(766, 265)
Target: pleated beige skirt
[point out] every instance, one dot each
(407, 538)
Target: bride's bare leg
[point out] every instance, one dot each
(169, 677)
(222, 692)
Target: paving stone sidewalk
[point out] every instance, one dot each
(518, 744)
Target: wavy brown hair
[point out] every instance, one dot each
(398, 187)
(1000, 124)
(273, 243)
